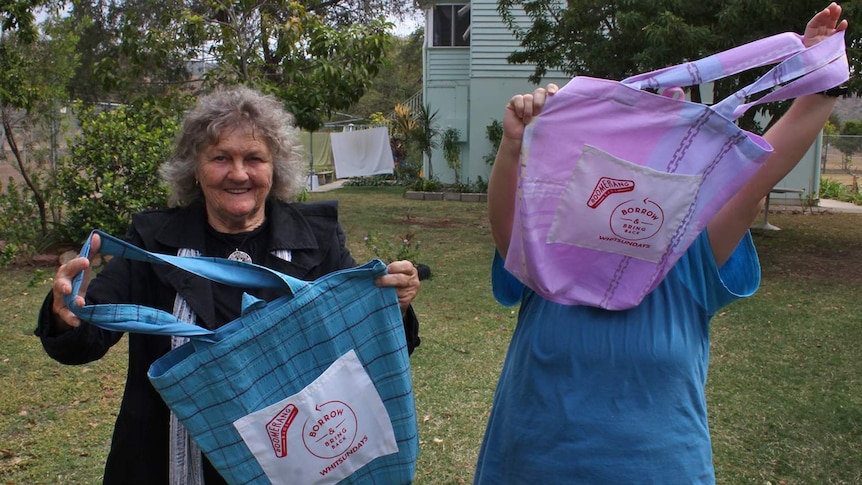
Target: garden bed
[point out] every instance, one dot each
(454, 196)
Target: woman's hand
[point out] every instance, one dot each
(403, 276)
(503, 182)
(824, 23)
(791, 137)
(521, 110)
(63, 317)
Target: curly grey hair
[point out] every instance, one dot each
(226, 109)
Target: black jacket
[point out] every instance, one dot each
(139, 449)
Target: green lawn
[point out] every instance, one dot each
(785, 391)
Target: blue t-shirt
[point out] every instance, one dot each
(593, 396)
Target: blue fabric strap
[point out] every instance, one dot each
(143, 319)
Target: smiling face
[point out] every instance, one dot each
(235, 176)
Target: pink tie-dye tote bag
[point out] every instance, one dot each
(616, 181)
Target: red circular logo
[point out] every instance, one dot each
(636, 220)
(331, 431)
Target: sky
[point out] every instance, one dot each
(408, 25)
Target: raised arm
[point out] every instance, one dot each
(503, 182)
(791, 136)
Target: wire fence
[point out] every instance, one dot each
(839, 152)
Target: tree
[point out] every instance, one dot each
(283, 48)
(318, 57)
(400, 77)
(829, 131)
(424, 135)
(619, 38)
(849, 143)
(417, 130)
(452, 151)
(34, 76)
(132, 49)
(17, 16)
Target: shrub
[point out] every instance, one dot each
(382, 180)
(832, 189)
(384, 249)
(407, 171)
(481, 185)
(8, 254)
(427, 185)
(113, 169)
(19, 223)
(494, 133)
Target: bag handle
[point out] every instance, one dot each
(758, 53)
(143, 319)
(226, 271)
(817, 68)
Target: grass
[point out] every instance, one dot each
(55, 420)
(785, 385)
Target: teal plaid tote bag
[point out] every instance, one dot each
(312, 388)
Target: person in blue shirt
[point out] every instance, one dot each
(592, 396)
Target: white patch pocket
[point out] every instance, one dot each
(325, 432)
(613, 205)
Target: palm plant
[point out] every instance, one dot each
(418, 130)
(452, 151)
(425, 134)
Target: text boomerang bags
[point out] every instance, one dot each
(313, 387)
(615, 182)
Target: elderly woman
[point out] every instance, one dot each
(235, 170)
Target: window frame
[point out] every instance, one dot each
(457, 31)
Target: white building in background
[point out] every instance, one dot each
(467, 81)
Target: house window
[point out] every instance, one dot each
(451, 25)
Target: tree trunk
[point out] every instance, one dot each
(13, 145)
(430, 169)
